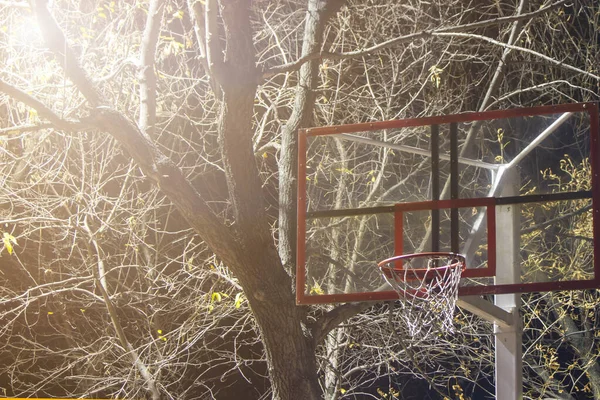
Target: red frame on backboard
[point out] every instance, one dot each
(489, 203)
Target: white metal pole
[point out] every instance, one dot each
(509, 346)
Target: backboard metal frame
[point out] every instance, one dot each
(489, 203)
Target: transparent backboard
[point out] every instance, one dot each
(368, 192)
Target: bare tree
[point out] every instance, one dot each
(162, 254)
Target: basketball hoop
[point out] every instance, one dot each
(427, 284)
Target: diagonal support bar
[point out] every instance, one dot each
(486, 310)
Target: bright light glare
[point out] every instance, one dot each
(24, 30)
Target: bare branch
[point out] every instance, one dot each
(293, 66)
(19, 4)
(100, 278)
(169, 179)
(495, 82)
(329, 321)
(40, 107)
(197, 16)
(56, 41)
(555, 220)
(519, 48)
(147, 117)
(214, 52)
(317, 17)
(145, 153)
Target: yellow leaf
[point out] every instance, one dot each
(178, 14)
(50, 313)
(239, 299)
(159, 331)
(33, 114)
(435, 75)
(316, 289)
(8, 241)
(265, 155)
(216, 296)
(342, 390)
(82, 310)
(190, 263)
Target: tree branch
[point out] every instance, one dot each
(317, 16)
(19, 4)
(147, 117)
(495, 82)
(40, 107)
(554, 220)
(15, 130)
(197, 16)
(214, 51)
(100, 278)
(295, 65)
(330, 320)
(145, 153)
(582, 344)
(518, 48)
(55, 39)
(169, 179)
(492, 87)
(237, 78)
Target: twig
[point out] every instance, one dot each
(295, 65)
(40, 107)
(100, 278)
(554, 220)
(19, 4)
(518, 48)
(15, 130)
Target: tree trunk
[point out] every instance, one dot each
(289, 347)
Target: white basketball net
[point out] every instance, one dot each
(427, 285)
